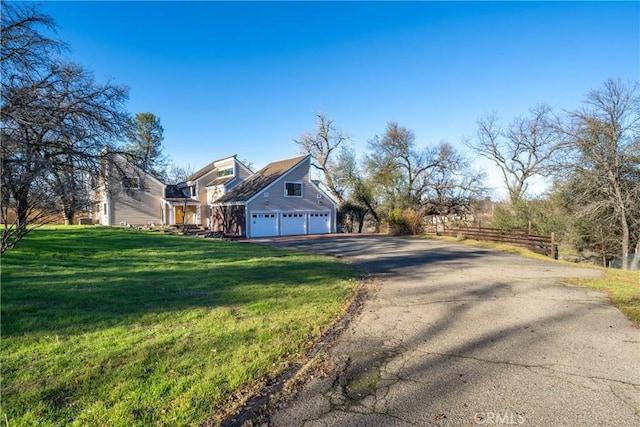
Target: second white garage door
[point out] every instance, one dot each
(293, 223)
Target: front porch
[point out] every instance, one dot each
(182, 212)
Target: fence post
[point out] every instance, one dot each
(553, 245)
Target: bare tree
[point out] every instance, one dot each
(321, 145)
(605, 134)
(24, 52)
(177, 174)
(453, 186)
(524, 150)
(24, 48)
(71, 187)
(55, 120)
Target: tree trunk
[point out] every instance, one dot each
(68, 215)
(373, 211)
(361, 221)
(624, 224)
(22, 210)
(635, 263)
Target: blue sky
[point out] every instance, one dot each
(246, 78)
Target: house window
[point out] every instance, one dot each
(225, 172)
(131, 183)
(293, 189)
(194, 193)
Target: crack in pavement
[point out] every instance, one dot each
(548, 366)
(454, 332)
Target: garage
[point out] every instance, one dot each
(293, 223)
(319, 222)
(280, 200)
(289, 223)
(264, 224)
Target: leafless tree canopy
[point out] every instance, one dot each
(525, 149)
(24, 48)
(55, 120)
(605, 180)
(322, 145)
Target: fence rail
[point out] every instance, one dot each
(544, 245)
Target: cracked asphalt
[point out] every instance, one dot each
(463, 336)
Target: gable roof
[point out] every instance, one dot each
(260, 180)
(111, 155)
(173, 191)
(208, 168)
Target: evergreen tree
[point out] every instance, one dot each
(144, 146)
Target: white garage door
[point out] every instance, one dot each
(293, 223)
(319, 222)
(264, 224)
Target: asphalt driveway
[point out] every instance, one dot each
(463, 336)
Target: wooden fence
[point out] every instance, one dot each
(544, 245)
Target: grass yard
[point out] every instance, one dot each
(112, 327)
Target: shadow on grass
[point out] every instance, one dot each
(80, 279)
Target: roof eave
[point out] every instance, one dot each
(228, 204)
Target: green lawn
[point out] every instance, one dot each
(112, 327)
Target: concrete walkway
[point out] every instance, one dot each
(462, 336)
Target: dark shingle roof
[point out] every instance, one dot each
(172, 191)
(260, 180)
(220, 180)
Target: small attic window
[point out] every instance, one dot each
(293, 189)
(225, 172)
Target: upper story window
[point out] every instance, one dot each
(193, 191)
(225, 172)
(131, 183)
(293, 189)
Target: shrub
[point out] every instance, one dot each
(404, 222)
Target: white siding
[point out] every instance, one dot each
(141, 206)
